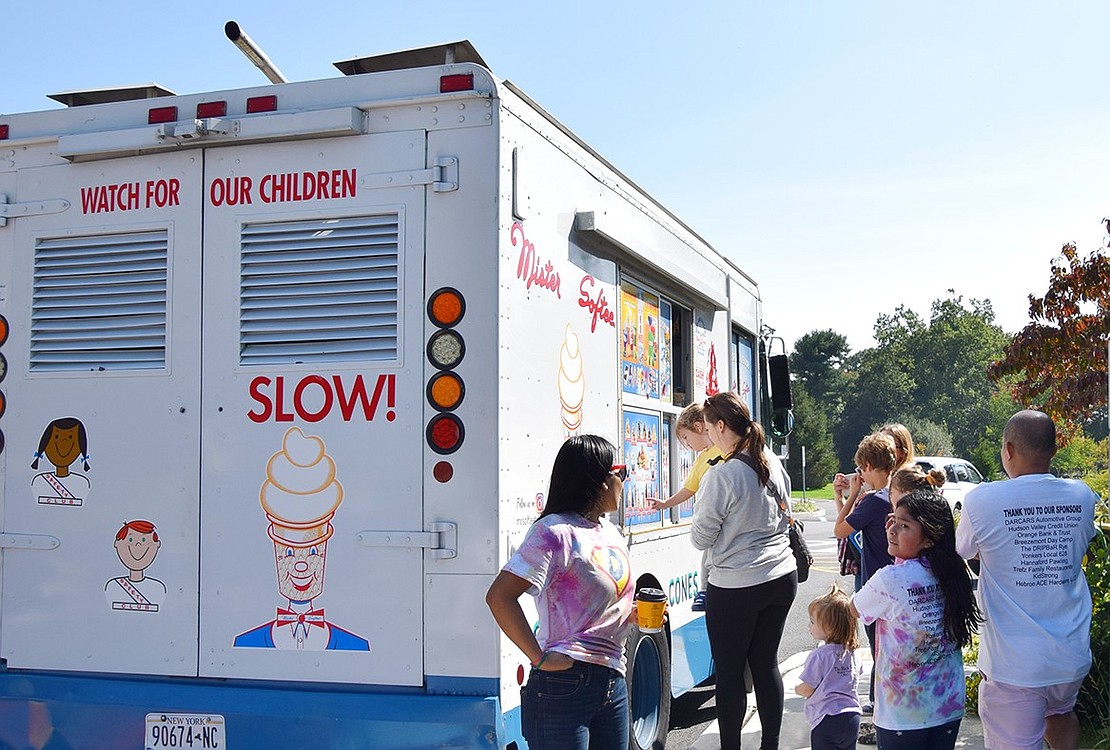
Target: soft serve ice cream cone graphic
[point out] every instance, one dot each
(300, 493)
(300, 496)
(572, 381)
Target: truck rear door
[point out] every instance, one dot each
(312, 352)
(101, 503)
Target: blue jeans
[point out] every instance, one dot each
(581, 708)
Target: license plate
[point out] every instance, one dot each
(190, 731)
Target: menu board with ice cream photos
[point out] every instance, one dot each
(706, 381)
(666, 386)
(745, 371)
(682, 460)
(641, 455)
(639, 341)
(686, 459)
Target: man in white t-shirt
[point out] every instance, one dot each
(1030, 534)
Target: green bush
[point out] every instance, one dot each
(803, 506)
(1097, 482)
(971, 655)
(1093, 705)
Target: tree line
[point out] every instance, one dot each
(955, 378)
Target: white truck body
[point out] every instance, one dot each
(220, 326)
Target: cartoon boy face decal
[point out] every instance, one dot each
(137, 545)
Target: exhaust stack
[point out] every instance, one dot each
(253, 52)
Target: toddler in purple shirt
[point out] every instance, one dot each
(828, 679)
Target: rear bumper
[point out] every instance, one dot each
(109, 712)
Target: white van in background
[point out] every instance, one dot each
(960, 477)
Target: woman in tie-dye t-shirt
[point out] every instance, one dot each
(926, 613)
(575, 563)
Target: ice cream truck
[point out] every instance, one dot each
(283, 371)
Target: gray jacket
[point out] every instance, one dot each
(739, 521)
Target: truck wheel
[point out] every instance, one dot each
(649, 689)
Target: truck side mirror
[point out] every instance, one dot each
(782, 419)
(782, 422)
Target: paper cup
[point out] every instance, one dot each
(650, 605)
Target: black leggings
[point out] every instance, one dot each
(745, 626)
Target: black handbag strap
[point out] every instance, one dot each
(771, 486)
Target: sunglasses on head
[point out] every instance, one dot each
(620, 471)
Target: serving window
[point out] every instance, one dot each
(656, 335)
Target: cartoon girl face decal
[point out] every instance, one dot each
(63, 443)
(61, 448)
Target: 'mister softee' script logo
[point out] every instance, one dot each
(528, 267)
(599, 308)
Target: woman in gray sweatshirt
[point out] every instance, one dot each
(753, 578)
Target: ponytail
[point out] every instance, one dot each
(727, 406)
(756, 441)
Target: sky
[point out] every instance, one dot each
(850, 156)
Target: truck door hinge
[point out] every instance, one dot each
(28, 541)
(443, 177)
(441, 540)
(31, 208)
(447, 178)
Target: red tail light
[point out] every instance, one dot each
(445, 433)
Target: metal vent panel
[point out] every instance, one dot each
(321, 290)
(99, 302)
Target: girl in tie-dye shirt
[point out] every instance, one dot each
(575, 562)
(926, 613)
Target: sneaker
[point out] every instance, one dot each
(868, 709)
(867, 734)
(699, 602)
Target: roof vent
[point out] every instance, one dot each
(422, 57)
(104, 96)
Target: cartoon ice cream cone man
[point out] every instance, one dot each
(300, 497)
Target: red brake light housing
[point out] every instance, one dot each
(159, 115)
(261, 104)
(456, 82)
(211, 109)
